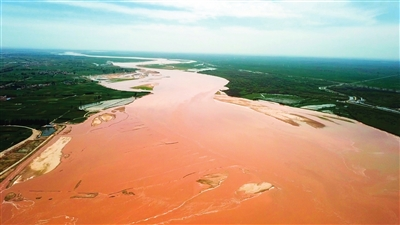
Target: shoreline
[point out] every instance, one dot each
(192, 158)
(33, 136)
(22, 163)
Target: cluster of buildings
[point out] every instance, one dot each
(19, 87)
(54, 72)
(354, 99)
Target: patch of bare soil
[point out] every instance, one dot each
(46, 161)
(67, 131)
(310, 122)
(86, 195)
(96, 121)
(16, 154)
(212, 180)
(254, 188)
(289, 118)
(120, 109)
(13, 197)
(103, 118)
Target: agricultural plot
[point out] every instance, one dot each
(10, 136)
(37, 88)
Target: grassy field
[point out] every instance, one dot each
(10, 136)
(39, 87)
(392, 82)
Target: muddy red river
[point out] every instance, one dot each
(186, 155)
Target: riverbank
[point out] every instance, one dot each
(185, 155)
(34, 135)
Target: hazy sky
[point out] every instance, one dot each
(360, 29)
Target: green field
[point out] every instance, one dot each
(392, 82)
(10, 136)
(60, 87)
(40, 87)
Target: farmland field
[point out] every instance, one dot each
(39, 87)
(10, 136)
(45, 87)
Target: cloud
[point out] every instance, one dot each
(134, 11)
(311, 13)
(330, 29)
(359, 42)
(238, 9)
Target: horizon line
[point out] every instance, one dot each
(198, 53)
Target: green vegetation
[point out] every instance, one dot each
(383, 120)
(15, 155)
(392, 82)
(302, 78)
(143, 87)
(379, 97)
(177, 66)
(114, 80)
(10, 136)
(43, 87)
(298, 81)
(38, 87)
(181, 66)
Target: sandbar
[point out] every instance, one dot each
(46, 161)
(185, 155)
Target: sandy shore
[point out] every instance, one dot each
(47, 161)
(185, 155)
